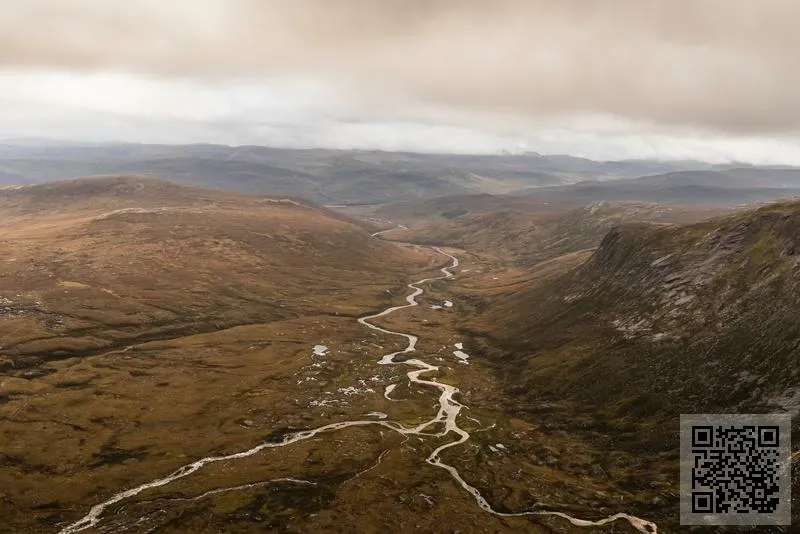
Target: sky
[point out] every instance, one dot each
(714, 80)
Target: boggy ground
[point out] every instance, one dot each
(597, 389)
(108, 289)
(145, 325)
(104, 423)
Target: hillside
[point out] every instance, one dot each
(661, 320)
(123, 259)
(523, 231)
(669, 292)
(447, 208)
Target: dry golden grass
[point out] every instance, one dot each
(136, 259)
(141, 323)
(139, 339)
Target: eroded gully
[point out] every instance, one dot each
(448, 412)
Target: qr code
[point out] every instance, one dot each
(735, 469)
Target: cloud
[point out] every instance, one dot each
(710, 65)
(102, 107)
(714, 80)
(108, 106)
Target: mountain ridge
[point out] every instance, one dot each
(734, 186)
(662, 320)
(321, 175)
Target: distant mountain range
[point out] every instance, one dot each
(716, 187)
(363, 177)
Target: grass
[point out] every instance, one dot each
(570, 341)
(222, 301)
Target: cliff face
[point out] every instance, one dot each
(665, 320)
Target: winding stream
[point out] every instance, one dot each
(447, 414)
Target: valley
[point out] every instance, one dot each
(375, 177)
(448, 413)
(205, 389)
(399, 267)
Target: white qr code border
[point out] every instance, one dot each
(703, 453)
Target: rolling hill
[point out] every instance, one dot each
(118, 260)
(524, 231)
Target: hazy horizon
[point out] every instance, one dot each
(42, 142)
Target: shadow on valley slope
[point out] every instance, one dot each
(658, 321)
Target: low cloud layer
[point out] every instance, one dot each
(713, 79)
(715, 64)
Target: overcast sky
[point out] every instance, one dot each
(706, 79)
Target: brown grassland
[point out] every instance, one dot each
(145, 325)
